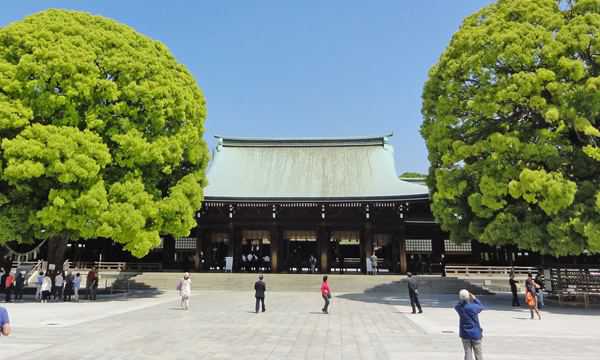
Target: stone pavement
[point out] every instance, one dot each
(223, 325)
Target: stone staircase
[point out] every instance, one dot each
(387, 284)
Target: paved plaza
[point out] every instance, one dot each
(222, 325)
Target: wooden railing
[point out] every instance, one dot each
(571, 283)
(490, 270)
(116, 266)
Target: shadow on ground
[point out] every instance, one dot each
(497, 302)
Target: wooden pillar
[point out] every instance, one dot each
(475, 252)
(323, 244)
(168, 251)
(402, 242)
(275, 247)
(235, 250)
(437, 248)
(396, 239)
(366, 245)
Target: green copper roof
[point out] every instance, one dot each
(307, 169)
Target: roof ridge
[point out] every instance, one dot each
(303, 141)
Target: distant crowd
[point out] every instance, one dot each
(49, 286)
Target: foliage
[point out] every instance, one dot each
(412, 175)
(511, 120)
(101, 133)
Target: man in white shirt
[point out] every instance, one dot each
(58, 286)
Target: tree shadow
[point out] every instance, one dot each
(498, 302)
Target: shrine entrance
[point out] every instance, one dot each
(299, 246)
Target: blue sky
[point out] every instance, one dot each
(298, 68)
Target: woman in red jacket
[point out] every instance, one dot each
(325, 293)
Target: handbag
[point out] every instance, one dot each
(529, 300)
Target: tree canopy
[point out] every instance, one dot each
(412, 174)
(511, 121)
(101, 134)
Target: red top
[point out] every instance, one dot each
(9, 281)
(325, 288)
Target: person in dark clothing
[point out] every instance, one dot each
(68, 287)
(19, 285)
(259, 293)
(92, 284)
(413, 293)
(513, 289)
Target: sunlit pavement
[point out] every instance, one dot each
(223, 325)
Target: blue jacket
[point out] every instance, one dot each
(469, 319)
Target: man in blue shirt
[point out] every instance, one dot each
(4, 322)
(468, 309)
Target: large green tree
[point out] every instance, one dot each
(101, 134)
(511, 120)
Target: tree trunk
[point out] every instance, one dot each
(56, 252)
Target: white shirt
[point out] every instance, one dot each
(47, 284)
(186, 287)
(58, 281)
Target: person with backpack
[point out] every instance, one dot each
(468, 309)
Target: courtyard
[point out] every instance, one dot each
(223, 325)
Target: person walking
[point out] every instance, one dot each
(9, 286)
(468, 309)
(76, 286)
(539, 280)
(92, 284)
(59, 283)
(186, 291)
(259, 293)
(19, 285)
(513, 289)
(413, 293)
(531, 296)
(5, 329)
(326, 294)
(46, 288)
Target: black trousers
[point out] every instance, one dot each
(326, 298)
(414, 301)
(260, 300)
(515, 299)
(19, 293)
(9, 291)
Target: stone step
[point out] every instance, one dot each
(299, 282)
